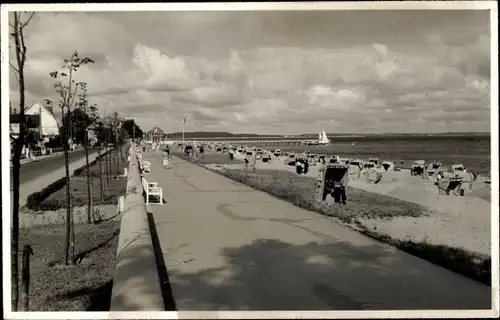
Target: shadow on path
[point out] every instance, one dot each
(166, 290)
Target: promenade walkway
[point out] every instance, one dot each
(227, 246)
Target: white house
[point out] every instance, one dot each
(49, 125)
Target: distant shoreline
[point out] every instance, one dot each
(334, 137)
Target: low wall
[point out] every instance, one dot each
(59, 216)
(136, 283)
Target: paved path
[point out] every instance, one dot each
(230, 247)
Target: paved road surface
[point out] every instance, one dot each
(230, 247)
(32, 170)
(44, 177)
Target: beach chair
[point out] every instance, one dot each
(450, 184)
(388, 165)
(333, 180)
(457, 168)
(432, 169)
(152, 189)
(418, 168)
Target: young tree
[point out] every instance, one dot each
(66, 86)
(19, 22)
(116, 126)
(89, 116)
(99, 131)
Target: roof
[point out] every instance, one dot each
(155, 130)
(48, 109)
(32, 120)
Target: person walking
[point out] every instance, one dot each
(164, 156)
(202, 153)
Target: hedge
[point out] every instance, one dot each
(35, 199)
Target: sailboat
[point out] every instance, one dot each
(323, 139)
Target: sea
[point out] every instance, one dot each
(473, 151)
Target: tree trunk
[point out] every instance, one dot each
(110, 158)
(68, 206)
(100, 175)
(27, 252)
(107, 165)
(67, 242)
(117, 168)
(89, 187)
(15, 225)
(20, 50)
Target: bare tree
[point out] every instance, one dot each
(66, 86)
(89, 119)
(17, 26)
(115, 125)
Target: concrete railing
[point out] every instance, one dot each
(136, 283)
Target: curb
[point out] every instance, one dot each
(136, 281)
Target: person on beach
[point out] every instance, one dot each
(298, 167)
(246, 162)
(167, 151)
(254, 161)
(202, 152)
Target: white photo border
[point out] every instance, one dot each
(374, 5)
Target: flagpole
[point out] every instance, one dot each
(183, 121)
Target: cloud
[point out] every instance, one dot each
(246, 71)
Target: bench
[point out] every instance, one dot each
(152, 189)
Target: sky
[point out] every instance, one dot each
(276, 72)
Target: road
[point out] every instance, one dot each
(37, 175)
(227, 246)
(30, 171)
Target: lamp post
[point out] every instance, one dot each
(183, 122)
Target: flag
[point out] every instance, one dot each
(183, 120)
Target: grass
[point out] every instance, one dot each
(114, 169)
(85, 286)
(300, 191)
(78, 187)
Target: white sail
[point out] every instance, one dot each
(320, 137)
(323, 139)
